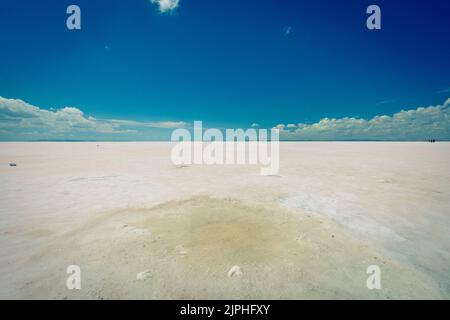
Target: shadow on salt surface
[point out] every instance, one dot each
(342, 210)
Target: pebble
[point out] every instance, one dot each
(180, 250)
(143, 275)
(235, 271)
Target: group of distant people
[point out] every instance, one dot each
(432, 140)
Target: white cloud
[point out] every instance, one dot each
(286, 30)
(255, 125)
(19, 119)
(420, 124)
(166, 5)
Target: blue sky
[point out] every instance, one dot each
(227, 63)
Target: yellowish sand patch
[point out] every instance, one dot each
(189, 247)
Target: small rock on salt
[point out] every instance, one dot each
(143, 275)
(235, 271)
(180, 250)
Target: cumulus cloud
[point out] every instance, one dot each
(166, 5)
(21, 119)
(431, 122)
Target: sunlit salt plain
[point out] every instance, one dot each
(140, 227)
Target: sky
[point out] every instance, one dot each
(138, 69)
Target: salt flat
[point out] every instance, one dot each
(119, 209)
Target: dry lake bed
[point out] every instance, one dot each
(140, 227)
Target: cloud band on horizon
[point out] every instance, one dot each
(20, 120)
(431, 122)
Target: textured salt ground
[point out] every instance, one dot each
(184, 250)
(63, 197)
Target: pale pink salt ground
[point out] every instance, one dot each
(118, 209)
